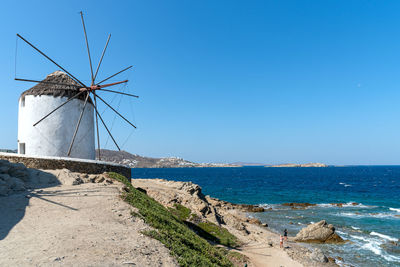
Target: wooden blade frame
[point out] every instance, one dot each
(83, 89)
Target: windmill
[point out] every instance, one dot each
(57, 110)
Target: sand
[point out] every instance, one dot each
(81, 225)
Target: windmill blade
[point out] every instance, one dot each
(35, 81)
(75, 96)
(105, 126)
(111, 84)
(117, 92)
(101, 59)
(87, 46)
(43, 54)
(77, 125)
(116, 111)
(97, 125)
(115, 74)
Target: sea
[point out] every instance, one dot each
(369, 217)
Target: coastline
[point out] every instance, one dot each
(258, 243)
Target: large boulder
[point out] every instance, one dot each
(318, 256)
(320, 232)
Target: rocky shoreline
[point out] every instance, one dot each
(236, 218)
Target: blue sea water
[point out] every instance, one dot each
(372, 224)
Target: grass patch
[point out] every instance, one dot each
(220, 234)
(180, 211)
(188, 248)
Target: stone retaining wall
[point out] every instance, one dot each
(74, 165)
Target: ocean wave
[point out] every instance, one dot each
(393, 209)
(384, 236)
(391, 258)
(368, 215)
(374, 245)
(355, 228)
(345, 185)
(351, 204)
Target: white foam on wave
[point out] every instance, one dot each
(393, 209)
(391, 258)
(351, 204)
(360, 238)
(384, 236)
(268, 206)
(366, 215)
(374, 245)
(355, 228)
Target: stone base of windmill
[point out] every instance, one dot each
(72, 164)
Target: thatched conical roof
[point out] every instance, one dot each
(57, 84)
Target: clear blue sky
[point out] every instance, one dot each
(224, 81)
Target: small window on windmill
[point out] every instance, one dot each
(21, 148)
(23, 101)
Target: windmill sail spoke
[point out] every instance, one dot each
(35, 81)
(116, 111)
(111, 84)
(105, 126)
(117, 92)
(115, 74)
(101, 59)
(77, 125)
(97, 125)
(87, 46)
(43, 54)
(75, 96)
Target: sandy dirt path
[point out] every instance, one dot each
(84, 225)
(261, 255)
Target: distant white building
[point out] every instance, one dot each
(53, 135)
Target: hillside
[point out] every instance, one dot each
(137, 161)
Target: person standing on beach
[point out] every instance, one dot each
(281, 241)
(285, 234)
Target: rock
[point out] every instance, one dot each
(18, 185)
(100, 179)
(4, 168)
(4, 189)
(22, 174)
(331, 259)
(254, 221)
(252, 208)
(298, 205)
(66, 177)
(318, 256)
(6, 178)
(319, 232)
(391, 247)
(264, 225)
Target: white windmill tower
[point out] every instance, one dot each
(57, 116)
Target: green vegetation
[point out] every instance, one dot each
(220, 235)
(188, 248)
(180, 211)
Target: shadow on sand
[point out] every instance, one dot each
(13, 206)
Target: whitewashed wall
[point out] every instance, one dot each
(52, 136)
